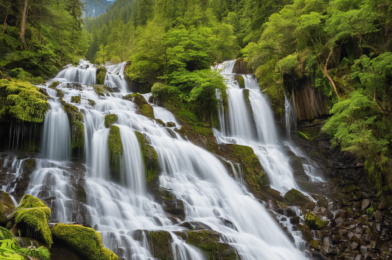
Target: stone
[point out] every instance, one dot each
(326, 244)
(365, 204)
(170, 124)
(339, 221)
(315, 222)
(353, 237)
(354, 245)
(378, 216)
(306, 233)
(295, 220)
(383, 205)
(6, 207)
(358, 257)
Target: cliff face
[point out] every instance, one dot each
(310, 103)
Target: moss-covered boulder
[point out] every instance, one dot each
(170, 124)
(76, 99)
(22, 101)
(54, 84)
(254, 175)
(150, 158)
(85, 241)
(159, 242)
(101, 74)
(110, 119)
(209, 242)
(6, 207)
(76, 120)
(92, 102)
(101, 90)
(31, 218)
(159, 121)
(240, 80)
(143, 108)
(295, 197)
(115, 152)
(314, 222)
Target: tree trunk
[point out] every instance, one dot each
(325, 71)
(24, 18)
(6, 16)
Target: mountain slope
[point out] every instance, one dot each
(96, 8)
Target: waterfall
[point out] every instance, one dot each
(85, 73)
(290, 116)
(56, 136)
(115, 77)
(124, 213)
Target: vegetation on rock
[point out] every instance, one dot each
(115, 150)
(6, 207)
(150, 158)
(31, 218)
(110, 119)
(101, 74)
(85, 241)
(314, 222)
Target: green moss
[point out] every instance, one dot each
(115, 150)
(276, 96)
(54, 84)
(31, 217)
(294, 196)
(12, 251)
(370, 211)
(161, 242)
(143, 107)
(303, 135)
(203, 130)
(254, 173)
(150, 158)
(76, 99)
(209, 242)
(60, 94)
(249, 105)
(159, 121)
(92, 102)
(30, 163)
(314, 222)
(101, 74)
(101, 90)
(314, 244)
(73, 113)
(22, 101)
(77, 137)
(85, 241)
(241, 81)
(110, 119)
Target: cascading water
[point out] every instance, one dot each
(83, 193)
(290, 116)
(84, 74)
(115, 77)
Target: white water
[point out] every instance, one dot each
(290, 116)
(192, 174)
(258, 132)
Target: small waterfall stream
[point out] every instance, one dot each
(83, 191)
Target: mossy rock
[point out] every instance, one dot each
(276, 96)
(6, 207)
(74, 115)
(159, 242)
(255, 176)
(101, 74)
(240, 80)
(314, 244)
(150, 158)
(249, 105)
(92, 102)
(143, 108)
(209, 242)
(159, 121)
(241, 67)
(76, 99)
(115, 152)
(85, 241)
(54, 84)
(314, 222)
(110, 119)
(295, 197)
(101, 90)
(60, 93)
(31, 218)
(77, 138)
(306, 232)
(22, 101)
(170, 124)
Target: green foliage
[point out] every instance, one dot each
(85, 241)
(158, 89)
(370, 210)
(358, 126)
(52, 38)
(10, 250)
(22, 101)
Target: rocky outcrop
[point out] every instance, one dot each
(241, 67)
(101, 74)
(115, 152)
(76, 120)
(150, 158)
(143, 107)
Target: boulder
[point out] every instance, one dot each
(115, 152)
(31, 214)
(86, 242)
(150, 158)
(110, 119)
(365, 204)
(314, 222)
(143, 108)
(170, 124)
(101, 74)
(296, 197)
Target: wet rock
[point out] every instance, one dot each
(353, 237)
(101, 74)
(306, 233)
(150, 158)
(73, 85)
(143, 108)
(159, 121)
(170, 124)
(159, 242)
(314, 244)
(175, 207)
(54, 84)
(365, 204)
(354, 245)
(115, 153)
(240, 80)
(241, 67)
(378, 216)
(383, 205)
(326, 244)
(295, 197)
(195, 225)
(76, 99)
(339, 221)
(92, 102)
(314, 222)
(295, 220)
